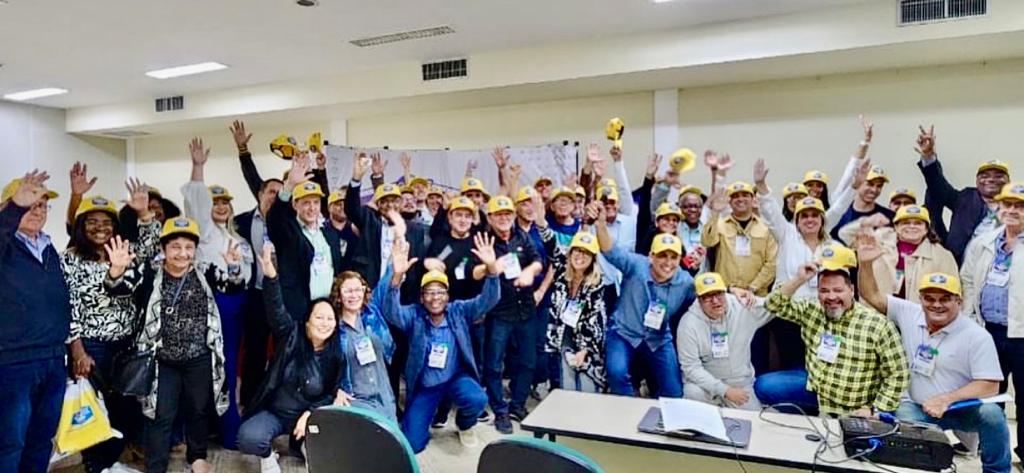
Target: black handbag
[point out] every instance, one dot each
(134, 372)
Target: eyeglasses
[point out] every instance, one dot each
(353, 291)
(41, 206)
(435, 293)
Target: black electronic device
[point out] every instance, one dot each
(911, 445)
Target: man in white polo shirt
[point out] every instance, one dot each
(952, 359)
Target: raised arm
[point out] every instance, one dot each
(622, 180)
(771, 211)
(353, 204)
(280, 322)
(477, 307)
(710, 236)
(28, 194)
(868, 250)
(938, 187)
(249, 171)
(198, 203)
(893, 364)
(80, 185)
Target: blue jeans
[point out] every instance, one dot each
(987, 420)
(1011, 360)
(32, 394)
(786, 386)
(499, 335)
(575, 380)
(476, 335)
(661, 363)
(231, 317)
(467, 395)
(256, 435)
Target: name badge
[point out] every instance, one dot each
(320, 265)
(924, 360)
(512, 267)
(828, 349)
(998, 276)
(742, 245)
(719, 344)
(460, 270)
(655, 315)
(364, 351)
(571, 313)
(438, 355)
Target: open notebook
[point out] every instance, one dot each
(695, 421)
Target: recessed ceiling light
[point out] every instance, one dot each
(186, 70)
(34, 94)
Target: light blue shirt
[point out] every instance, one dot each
(258, 236)
(995, 300)
(321, 270)
(441, 334)
(37, 246)
(623, 231)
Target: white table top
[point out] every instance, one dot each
(614, 419)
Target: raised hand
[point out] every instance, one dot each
(861, 176)
(241, 137)
(397, 223)
(138, 195)
(760, 172)
(360, 163)
(807, 271)
(484, 248)
(869, 129)
(724, 163)
(718, 202)
(868, 249)
(500, 158)
(652, 165)
(400, 261)
(570, 180)
(616, 153)
(539, 210)
(746, 298)
(266, 261)
(471, 167)
(300, 171)
(594, 154)
(199, 154)
(233, 256)
(592, 211)
(377, 164)
(80, 182)
(406, 162)
(321, 160)
(926, 142)
(120, 255)
(711, 159)
(600, 169)
(31, 188)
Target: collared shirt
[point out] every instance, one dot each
(756, 269)
(258, 236)
(639, 292)
(871, 367)
(516, 304)
(989, 222)
(439, 335)
(367, 382)
(965, 351)
(321, 270)
(35, 246)
(995, 300)
(623, 232)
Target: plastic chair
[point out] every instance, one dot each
(530, 455)
(352, 439)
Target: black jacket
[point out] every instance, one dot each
(294, 256)
(290, 342)
(366, 254)
(967, 205)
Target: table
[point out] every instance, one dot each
(603, 427)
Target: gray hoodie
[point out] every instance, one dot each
(693, 343)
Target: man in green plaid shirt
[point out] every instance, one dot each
(855, 361)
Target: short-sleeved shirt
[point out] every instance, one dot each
(965, 351)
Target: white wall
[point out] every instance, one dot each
(34, 137)
(796, 125)
(163, 161)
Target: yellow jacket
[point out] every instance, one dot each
(756, 271)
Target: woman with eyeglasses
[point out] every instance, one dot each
(102, 272)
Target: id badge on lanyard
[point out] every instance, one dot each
(719, 344)
(924, 360)
(655, 315)
(999, 275)
(438, 355)
(364, 351)
(460, 270)
(828, 348)
(571, 313)
(512, 267)
(742, 245)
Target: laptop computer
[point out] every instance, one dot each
(738, 430)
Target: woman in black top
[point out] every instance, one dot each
(304, 374)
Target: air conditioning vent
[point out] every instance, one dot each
(402, 36)
(926, 11)
(170, 104)
(445, 69)
(126, 134)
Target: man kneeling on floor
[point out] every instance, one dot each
(441, 362)
(952, 358)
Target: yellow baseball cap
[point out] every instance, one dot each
(220, 192)
(682, 160)
(994, 164)
(315, 142)
(739, 186)
(607, 182)
(433, 276)
(668, 208)
(419, 180)
(580, 191)
(689, 190)
(911, 212)
(306, 189)
(335, 197)
(877, 172)
(153, 191)
(941, 281)
(903, 192)
(284, 146)
(500, 204)
(96, 204)
(473, 184)
(809, 203)
(179, 226)
(836, 257)
(709, 282)
(608, 193)
(666, 242)
(563, 191)
(614, 130)
(12, 187)
(585, 242)
(434, 190)
(525, 193)
(386, 190)
(462, 202)
(406, 189)
(815, 176)
(1011, 191)
(794, 188)
(543, 179)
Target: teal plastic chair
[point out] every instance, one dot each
(530, 455)
(356, 440)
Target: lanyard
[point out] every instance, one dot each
(177, 294)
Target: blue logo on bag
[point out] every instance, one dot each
(82, 417)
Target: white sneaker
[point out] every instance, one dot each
(269, 464)
(199, 466)
(468, 438)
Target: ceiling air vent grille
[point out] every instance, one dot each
(170, 104)
(926, 11)
(126, 134)
(403, 36)
(445, 69)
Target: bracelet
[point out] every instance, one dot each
(244, 149)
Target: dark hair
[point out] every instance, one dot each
(83, 247)
(824, 197)
(167, 239)
(331, 356)
(267, 182)
(788, 214)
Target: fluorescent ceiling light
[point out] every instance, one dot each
(661, 1)
(186, 70)
(34, 94)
